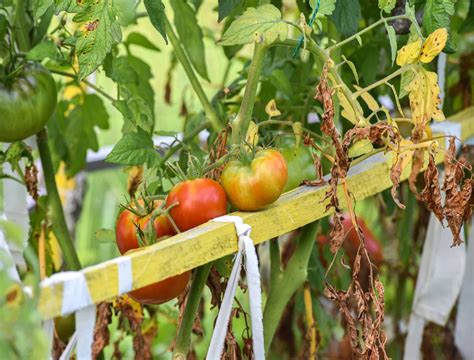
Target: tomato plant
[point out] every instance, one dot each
(253, 185)
(299, 162)
(27, 102)
(354, 80)
(196, 202)
(128, 222)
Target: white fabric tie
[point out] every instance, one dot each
(437, 286)
(76, 296)
(463, 334)
(255, 293)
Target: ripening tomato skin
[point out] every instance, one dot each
(251, 187)
(26, 103)
(125, 230)
(198, 201)
(163, 291)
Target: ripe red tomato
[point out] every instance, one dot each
(253, 186)
(198, 201)
(351, 243)
(163, 291)
(125, 230)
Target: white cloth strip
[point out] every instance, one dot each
(9, 265)
(75, 291)
(125, 278)
(85, 324)
(48, 329)
(464, 330)
(67, 353)
(255, 293)
(437, 286)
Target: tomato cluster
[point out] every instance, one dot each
(248, 185)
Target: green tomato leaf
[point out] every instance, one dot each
(262, 24)
(41, 6)
(126, 11)
(346, 17)
(134, 148)
(156, 12)
(137, 96)
(140, 40)
(45, 49)
(468, 24)
(190, 35)
(387, 5)
(226, 7)
(326, 7)
(361, 147)
(97, 35)
(392, 37)
(280, 81)
(437, 15)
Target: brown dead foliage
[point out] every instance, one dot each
(308, 141)
(218, 150)
(431, 193)
(362, 310)
(101, 330)
(395, 174)
(458, 192)
(58, 347)
(31, 180)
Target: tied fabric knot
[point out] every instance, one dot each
(246, 246)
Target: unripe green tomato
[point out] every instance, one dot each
(299, 161)
(27, 101)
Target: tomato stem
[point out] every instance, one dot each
(242, 121)
(190, 311)
(57, 218)
(285, 283)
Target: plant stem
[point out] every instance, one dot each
(242, 121)
(383, 81)
(184, 333)
(21, 26)
(54, 203)
(285, 284)
(172, 150)
(183, 59)
(88, 83)
(363, 31)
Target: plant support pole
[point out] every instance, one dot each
(55, 209)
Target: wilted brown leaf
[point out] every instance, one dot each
(431, 193)
(101, 330)
(458, 192)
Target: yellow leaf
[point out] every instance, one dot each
(251, 138)
(271, 108)
(424, 97)
(433, 45)
(369, 100)
(409, 53)
(361, 147)
(353, 115)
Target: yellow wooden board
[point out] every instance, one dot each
(214, 240)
